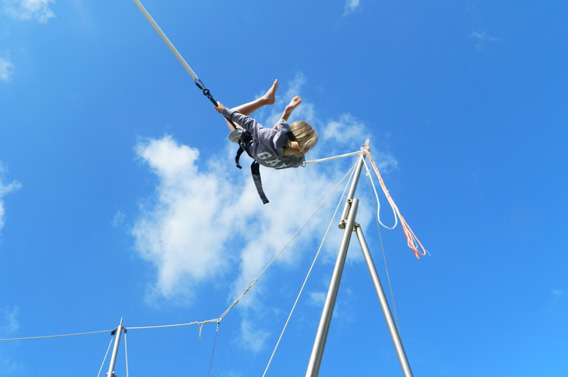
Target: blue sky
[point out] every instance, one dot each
(119, 197)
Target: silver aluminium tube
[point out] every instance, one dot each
(117, 334)
(384, 304)
(323, 328)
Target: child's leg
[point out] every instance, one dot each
(248, 108)
(268, 99)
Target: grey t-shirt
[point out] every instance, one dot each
(268, 144)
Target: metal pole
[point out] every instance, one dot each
(117, 334)
(323, 328)
(384, 304)
(353, 187)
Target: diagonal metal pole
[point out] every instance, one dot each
(325, 321)
(117, 334)
(384, 304)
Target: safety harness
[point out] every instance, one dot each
(245, 142)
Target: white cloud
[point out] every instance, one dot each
(5, 190)
(182, 234)
(205, 217)
(481, 37)
(252, 336)
(118, 219)
(317, 298)
(6, 69)
(350, 6)
(346, 128)
(29, 9)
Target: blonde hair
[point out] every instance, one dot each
(305, 138)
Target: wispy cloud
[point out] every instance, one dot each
(5, 189)
(29, 9)
(198, 223)
(350, 6)
(8, 326)
(481, 37)
(8, 321)
(118, 219)
(557, 295)
(317, 298)
(253, 336)
(6, 69)
(346, 127)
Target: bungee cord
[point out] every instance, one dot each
(357, 153)
(166, 40)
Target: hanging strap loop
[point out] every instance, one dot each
(245, 142)
(206, 92)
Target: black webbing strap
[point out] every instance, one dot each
(244, 144)
(208, 94)
(238, 157)
(205, 91)
(255, 171)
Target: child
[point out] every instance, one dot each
(279, 147)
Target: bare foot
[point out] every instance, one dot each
(270, 96)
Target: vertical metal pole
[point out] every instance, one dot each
(384, 304)
(347, 222)
(118, 333)
(323, 328)
(353, 187)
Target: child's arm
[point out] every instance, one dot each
(295, 102)
(219, 107)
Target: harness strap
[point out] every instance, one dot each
(244, 146)
(255, 171)
(238, 156)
